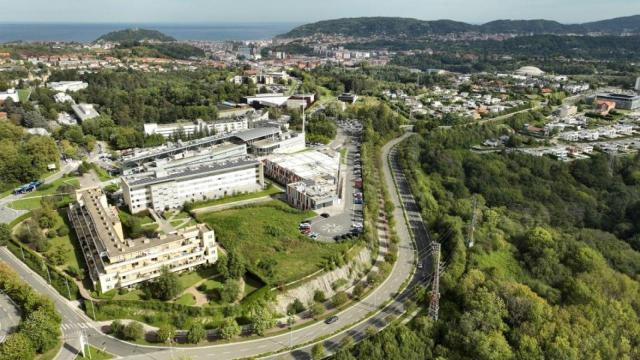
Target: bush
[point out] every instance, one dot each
(52, 234)
(63, 231)
(319, 296)
(316, 310)
(317, 351)
(358, 290)
(133, 331)
(165, 333)
(229, 329)
(340, 298)
(231, 292)
(196, 333)
(295, 307)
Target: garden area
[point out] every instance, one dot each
(268, 191)
(267, 239)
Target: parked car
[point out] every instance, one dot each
(325, 215)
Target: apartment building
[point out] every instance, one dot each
(170, 187)
(114, 261)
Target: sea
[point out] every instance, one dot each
(89, 32)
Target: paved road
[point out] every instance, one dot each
(74, 320)
(8, 214)
(9, 316)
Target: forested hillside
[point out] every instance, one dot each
(555, 267)
(411, 28)
(132, 35)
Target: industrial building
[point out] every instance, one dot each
(114, 261)
(312, 178)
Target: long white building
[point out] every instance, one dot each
(171, 187)
(114, 261)
(65, 86)
(230, 125)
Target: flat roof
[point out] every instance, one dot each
(310, 164)
(194, 171)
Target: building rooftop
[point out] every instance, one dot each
(162, 175)
(256, 133)
(310, 165)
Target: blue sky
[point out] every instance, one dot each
(215, 11)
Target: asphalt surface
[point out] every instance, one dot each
(9, 316)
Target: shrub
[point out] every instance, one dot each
(231, 291)
(317, 351)
(358, 290)
(133, 331)
(295, 307)
(229, 329)
(52, 234)
(316, 310)
(165, 333)
(63, 231)
(319, 296)
(340, 298)
(196, 333)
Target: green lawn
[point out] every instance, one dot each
(72, 257)
(188, 279)
(24, 94)
(266, 236)
(129, 295)
(271, 190)
(145, 219)
(186, 299)
(32, 200)
(94, 354)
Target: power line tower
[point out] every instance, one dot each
(472, 227)
(434, 302)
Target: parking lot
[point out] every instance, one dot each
(344, 220)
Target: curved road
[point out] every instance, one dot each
(75, 321)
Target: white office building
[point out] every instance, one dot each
(199, 126)
(171, 187)
(65, 86)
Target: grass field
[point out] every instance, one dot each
(94, 354)
(32, 200)
(266, 236)
(226, 200)
(188, 279)
(186, 299)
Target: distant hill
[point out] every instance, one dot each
(135, 35)
(407, 27)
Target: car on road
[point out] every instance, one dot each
(304, 226)
(419, 264)
(314, 236)
(325, 215)
(331, 320)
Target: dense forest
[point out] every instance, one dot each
(411, 28)
(23, 157)
(554, 272)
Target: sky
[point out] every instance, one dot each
(299, 11)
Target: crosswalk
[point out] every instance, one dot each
(74, 326)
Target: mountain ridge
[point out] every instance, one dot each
(380, 26)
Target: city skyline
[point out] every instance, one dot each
(254, 11)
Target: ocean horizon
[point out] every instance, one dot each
(86, 32)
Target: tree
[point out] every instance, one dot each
(196, 333)
(17, 347)
(358, 290)
(340, 298)
(117, 328)
(57, 255)
(5, 234)
(319, 296)
(346, 342)
(221, 266)
(317, 351)
(229, 329)
(166, 333)
(261, 320)
(316, 310)
(166, 286)
(295, 307)
(133, 331)
(43, 331)
(231, 291)
(236, 266)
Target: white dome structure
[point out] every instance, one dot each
(529, 71)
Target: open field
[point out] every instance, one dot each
(266, 236)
